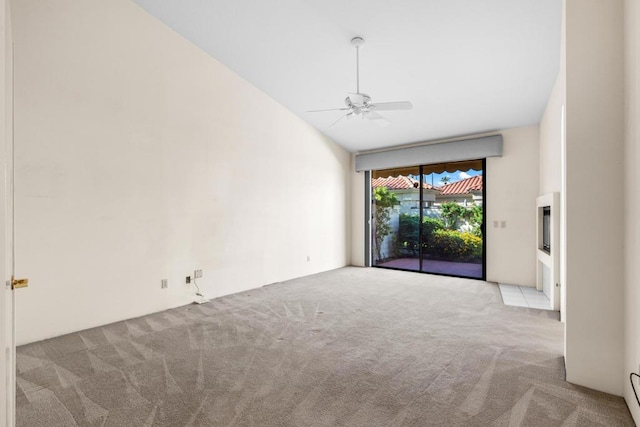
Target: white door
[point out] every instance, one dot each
(7, 329)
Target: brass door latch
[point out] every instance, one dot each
(19, 283)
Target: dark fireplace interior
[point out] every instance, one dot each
(546, 228)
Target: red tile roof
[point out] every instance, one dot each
(399, 183)
(462, 187)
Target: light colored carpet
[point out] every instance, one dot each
(353, 347)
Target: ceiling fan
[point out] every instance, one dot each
(359, 104)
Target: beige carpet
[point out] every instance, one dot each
(352, 347)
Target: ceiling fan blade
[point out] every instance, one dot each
(346, 116)
(377, 118)
(330, 109)
(389, 106)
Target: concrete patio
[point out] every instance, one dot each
(466, 269)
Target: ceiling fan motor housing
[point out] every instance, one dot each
(358, 101)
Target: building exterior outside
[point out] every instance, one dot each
(466, 192)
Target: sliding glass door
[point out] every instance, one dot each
(430, 218)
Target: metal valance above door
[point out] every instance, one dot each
(453, 154)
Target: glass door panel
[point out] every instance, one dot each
(395, 213)
(453, 219)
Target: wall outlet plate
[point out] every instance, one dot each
(197, 274)
(188, 279)
(164, 284)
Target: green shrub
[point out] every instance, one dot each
(431, 225)
(475, 219)
(408, 233)
(384, 201)
(457, 245)
(453, 214)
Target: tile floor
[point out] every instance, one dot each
(524, 296)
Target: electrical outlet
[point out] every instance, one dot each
(188, 279)
(503, 224)
(164, 284)
(495, 224)
(197, 274)
(308, 258)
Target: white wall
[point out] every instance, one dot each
(140, 158)
(551, 138)
(552, 135)
(357, 218)
(512, 188)
(594, 194)
(7, 346)
(632, 199)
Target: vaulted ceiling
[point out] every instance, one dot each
(467, 66)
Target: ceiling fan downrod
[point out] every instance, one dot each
(357, 42)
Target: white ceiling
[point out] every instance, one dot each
(467, 66)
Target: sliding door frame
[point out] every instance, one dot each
(484, 219)
(368, 220)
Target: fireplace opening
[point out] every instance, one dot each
(546, 229)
